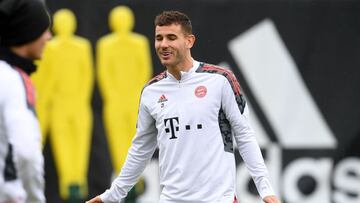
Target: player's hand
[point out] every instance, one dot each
(271, 199)
(95, 200)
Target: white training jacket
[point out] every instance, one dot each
(191, 121)
(21, 160)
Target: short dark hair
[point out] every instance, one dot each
(176, 17)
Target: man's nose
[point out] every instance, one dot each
(164, 43)
(48, 35)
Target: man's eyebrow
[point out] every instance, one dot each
(170, 35)
(166, 35)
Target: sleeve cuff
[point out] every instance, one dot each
(265, 189)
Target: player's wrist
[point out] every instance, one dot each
(271, 199)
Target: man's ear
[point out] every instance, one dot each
(190, 40)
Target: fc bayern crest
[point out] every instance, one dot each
(200, 91)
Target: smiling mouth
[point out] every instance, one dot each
(165, 54)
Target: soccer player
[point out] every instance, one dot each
(23, 32)
(190, 112)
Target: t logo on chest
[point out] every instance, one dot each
(172, 126)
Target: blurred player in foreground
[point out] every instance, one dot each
(190, 111)
(23, 32)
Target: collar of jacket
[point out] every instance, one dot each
(11, 58)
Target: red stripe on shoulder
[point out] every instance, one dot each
(29, 88)
(225, 72)
(157, 78)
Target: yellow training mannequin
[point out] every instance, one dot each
(124, 66)
(67, 65)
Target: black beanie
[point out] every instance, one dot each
(22, 21)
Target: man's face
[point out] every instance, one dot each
(35, 48)
(172, 44)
